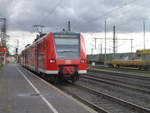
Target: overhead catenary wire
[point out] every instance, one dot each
(111, 11)
(51, 11)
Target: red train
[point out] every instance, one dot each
(60, 55)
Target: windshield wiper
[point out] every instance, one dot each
(63, 51)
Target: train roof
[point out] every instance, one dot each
(66, 32)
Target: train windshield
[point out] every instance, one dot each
(67, 46)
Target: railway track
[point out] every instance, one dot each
(131, 86)
(103, 102)
(122, 69)
(141, 82)
(137, 97)
(99, 100)
(133, 96)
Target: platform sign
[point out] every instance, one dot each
(3, 50)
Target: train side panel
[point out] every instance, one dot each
(83, 58)
(51, 65)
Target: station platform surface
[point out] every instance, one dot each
(23, 92)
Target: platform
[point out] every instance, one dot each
(23, 92)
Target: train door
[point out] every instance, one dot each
(36, 58)
(25, 58)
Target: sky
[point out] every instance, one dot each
(86, 16)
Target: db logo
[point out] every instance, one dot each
(67, 61)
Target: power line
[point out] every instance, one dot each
(110, 11)
(55, 7)
(50, 13)
(52, 10)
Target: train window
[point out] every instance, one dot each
(63, 41)
(67, 48)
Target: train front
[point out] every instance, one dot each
(70, 55)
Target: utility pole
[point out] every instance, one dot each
(144, 32)
(69, 26)
(105, 41)
(3, 32)
(39, 28)
(101, 48)
(92, 51)
(131, 44)
(95, 40)
(114, 40)
(17, 48)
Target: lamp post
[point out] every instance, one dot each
(105, 41)
(144, 33)
(3, 31)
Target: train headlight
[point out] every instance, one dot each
(52, 61)
(82, 61)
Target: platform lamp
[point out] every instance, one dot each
(3, 31)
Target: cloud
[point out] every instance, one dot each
(85, 15)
